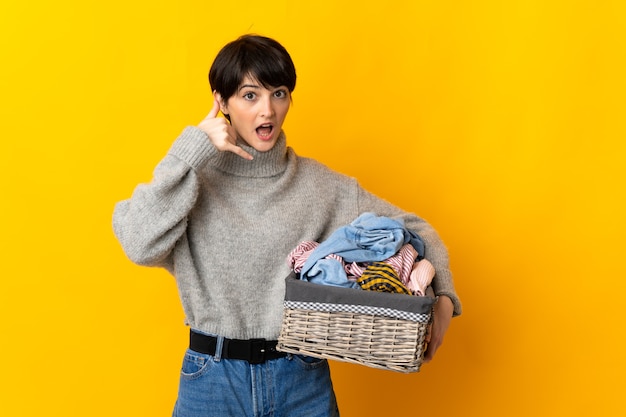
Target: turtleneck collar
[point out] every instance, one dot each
(264, 164)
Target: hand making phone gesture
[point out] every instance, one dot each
(221, 134)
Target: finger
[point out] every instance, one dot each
(239, 151)
(215, 109)
(429, 332)
(428, 356)
(431, 349)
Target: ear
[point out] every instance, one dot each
(223, 104)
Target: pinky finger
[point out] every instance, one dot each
(239, 151)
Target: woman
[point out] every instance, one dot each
(225, 207)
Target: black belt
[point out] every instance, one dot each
(253, 350)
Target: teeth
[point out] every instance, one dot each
(265, 130)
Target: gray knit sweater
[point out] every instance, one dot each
(223, 227)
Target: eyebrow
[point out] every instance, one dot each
(248, 86)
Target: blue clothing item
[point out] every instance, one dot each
(330, 272)
(211, 386)
(368, 238)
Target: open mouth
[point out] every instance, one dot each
(265, 131)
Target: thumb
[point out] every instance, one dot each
(215, 109)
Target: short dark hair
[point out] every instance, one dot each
(259, 57)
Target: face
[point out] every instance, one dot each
(257, 113)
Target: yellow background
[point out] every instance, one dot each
(500, 122)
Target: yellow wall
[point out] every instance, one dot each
(508, 115)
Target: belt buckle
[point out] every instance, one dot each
(257, 351)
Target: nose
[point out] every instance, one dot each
(267, 107)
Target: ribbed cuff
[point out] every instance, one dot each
(193, 147)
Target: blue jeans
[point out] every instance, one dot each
(293, 386)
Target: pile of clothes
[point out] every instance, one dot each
(374, 253)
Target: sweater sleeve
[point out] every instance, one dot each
(436, 251)
(149, 224)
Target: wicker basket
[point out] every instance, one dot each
(379, 330)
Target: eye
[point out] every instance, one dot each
(280, 93)
(249, 95)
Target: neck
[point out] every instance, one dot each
(264, 164)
